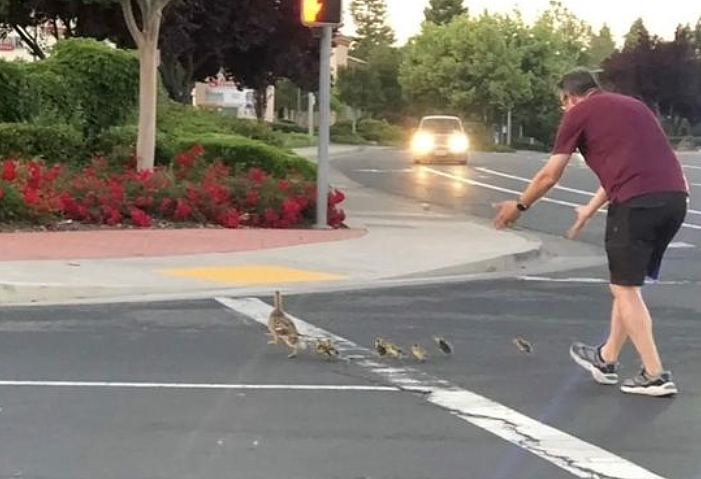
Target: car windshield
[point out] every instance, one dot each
(441, 125)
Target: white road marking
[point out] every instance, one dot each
(493, 187)
(681, 245)
(557, 187)
(514, 192)
(137, 385)
(375, 170)
(546, 279)
(526, 180)
(692, 167)
(698, 185)
(561, 449)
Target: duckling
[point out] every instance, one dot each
(444, 345)
(281, 328)
(418, 352)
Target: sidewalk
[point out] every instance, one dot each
(390, 238)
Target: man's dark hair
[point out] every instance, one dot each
(578, 82)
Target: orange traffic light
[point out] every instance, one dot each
(322, 13)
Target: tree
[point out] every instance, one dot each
(146, 35)
(468, 67)
(286, 49)
(572, 34)
(601, 46)
(386, 61)
(637, 34)
(665, 75)
(697, 38)
(370, 17)
(442, 12)
(359, 88)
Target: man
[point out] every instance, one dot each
(642, 179)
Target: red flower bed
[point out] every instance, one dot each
(189, 192)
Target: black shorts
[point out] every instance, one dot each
(638, 232)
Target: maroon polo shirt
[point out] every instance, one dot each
(624, 144)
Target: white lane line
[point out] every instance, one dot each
(561, 449)
(681, 245)
(526, 180)
(557, 187)
(692, 167)
(546, 279)
(514, 192)
(698, 185)
(493, 187)
(137, 385)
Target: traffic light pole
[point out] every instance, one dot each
(322, 180)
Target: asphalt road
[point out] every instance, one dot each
(491, 178)
(191, 390)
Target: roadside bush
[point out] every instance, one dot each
(529, 145)
(381, 132)
(177, 120)
(100, 82)
(12, 206)
(15, 94)
(119, 145)
(191, 191)
(289, 127)
(58, 143)
(348, 139)
(241, 154)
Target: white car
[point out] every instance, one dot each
(440, 138)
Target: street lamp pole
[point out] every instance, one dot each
(324, 129)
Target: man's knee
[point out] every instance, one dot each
(625, 292)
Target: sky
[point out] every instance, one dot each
(660, 16)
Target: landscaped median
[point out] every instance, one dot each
(192, 192)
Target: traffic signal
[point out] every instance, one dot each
(322, 13)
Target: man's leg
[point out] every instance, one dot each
(611, 351)
(636, 320)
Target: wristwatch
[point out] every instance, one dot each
(521, 207)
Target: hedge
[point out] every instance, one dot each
(242, 154)
(57, 143)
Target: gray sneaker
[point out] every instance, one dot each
(659, 386)
(589, 358)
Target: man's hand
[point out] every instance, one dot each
(508, 214)
(581, 221)
(586, 212)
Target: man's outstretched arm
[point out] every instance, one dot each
(541, 183)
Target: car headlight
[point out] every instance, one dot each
(422, 143)
(459, 143)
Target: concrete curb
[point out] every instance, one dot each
(33, 294)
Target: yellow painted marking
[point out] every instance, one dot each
(252, 274)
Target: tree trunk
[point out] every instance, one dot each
(261, 103)
(146, 39)
(178, 78)
(31, 43)
(148, 94)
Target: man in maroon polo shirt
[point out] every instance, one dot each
(644, 184)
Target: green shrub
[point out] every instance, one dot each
(102, 82)
(289, 127)
(119, 144)
(342, 128)
(12, 205)
(530, 145)
(297, 140)
(56, 143)
(51, 97)
(241, 154)
(348, 139)
(178, 120)
(15, 95)
(381, 132)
